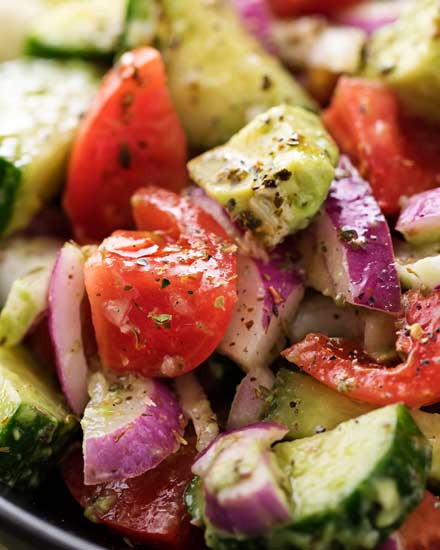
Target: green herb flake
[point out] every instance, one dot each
(219, 302)
(161, 319)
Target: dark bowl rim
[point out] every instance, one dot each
(24, 525)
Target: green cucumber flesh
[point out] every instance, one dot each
(77, 28)
(356, 484)
(140, 27)
(41, 104)
(34, 423)
(308, 407)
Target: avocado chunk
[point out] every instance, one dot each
(41, 103)
(273, 175)
(35, 425)
(219, 76)
(406, 55)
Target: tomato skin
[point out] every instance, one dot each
(162, 301)
(147, 509)
(398, 156)
(130, 136)
(421, 530)
(340, 363)
(286, 8)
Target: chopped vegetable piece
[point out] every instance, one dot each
(130, 426)
(40, 104)
(343, 366)
(66, 292)
(308, 407)
(248, 403)
(404, 53)
(354, 239)
(147, 326)
(28, 263)
(77, 28)
(273, 175)
(398, 157)
(140, 27)
(196, 406)
(268, 296)
(131, 136)
(421, 529)
(241, 481)
(148, 508)
(219, 76)
(35, 424)
(419, 220)
(371, 15)
(378, 461)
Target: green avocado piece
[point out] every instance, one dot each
(41, 102)
(406, 55)
(35, 425)
(219, 76)
(273, 175)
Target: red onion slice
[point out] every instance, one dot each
(247, 406)
(66, 292)
(353, 238)
(195, 405)
(257, 18)
(241, 481)
(130, 425)
(419, 220)
(371, 16)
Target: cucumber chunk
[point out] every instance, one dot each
(348, 488)
(34, 423)
(77, 28)
(354, 485)
(140, 27)
(308, 407)
(25, 305)
(40, 106)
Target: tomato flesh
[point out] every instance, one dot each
(162, 301)
(343, 366)
(147, 509)
(398, 156)
(286, 8)
(131, 136)
(421, 530)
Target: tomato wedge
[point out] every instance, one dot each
(398, 156)
(285, 8)
(421, 530)
(343, 366)
(162, 300)
(130, 137)
(147, 509)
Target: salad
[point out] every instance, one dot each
(220, 268)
